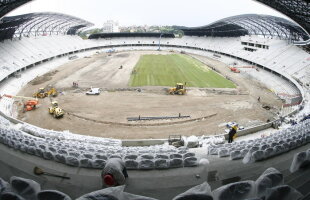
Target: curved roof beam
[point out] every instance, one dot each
(9, 5)
(255, 25)
(41, 23)
(297, 10)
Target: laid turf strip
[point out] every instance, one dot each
(167, 70)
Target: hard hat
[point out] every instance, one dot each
(109, 180)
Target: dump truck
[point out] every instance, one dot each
(178, 89)
(55, 110)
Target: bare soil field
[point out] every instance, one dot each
(105, 115)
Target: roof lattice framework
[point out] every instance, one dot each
(7, 6)
(251, 24)
(36, 24)
(297, 10)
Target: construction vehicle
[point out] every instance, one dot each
(93, 91)
(55, 110)
(28, 105)
(52, 92)
(178, 89)
(234, 69)
(42, 93)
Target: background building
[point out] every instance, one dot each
(110, 26)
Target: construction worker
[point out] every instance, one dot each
(232, 133)
(114, 173)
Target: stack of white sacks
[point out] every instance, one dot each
(263, 148)
(268, 186)
(91, 152)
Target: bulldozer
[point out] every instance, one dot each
(42, 93)
(30, 104)
(178, 89)
(55, 110)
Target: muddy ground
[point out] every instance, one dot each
(106, 115)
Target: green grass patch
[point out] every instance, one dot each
(167, 70)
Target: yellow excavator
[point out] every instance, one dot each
(178, 89)
(52, 92)
(55, 110)
(42, 93)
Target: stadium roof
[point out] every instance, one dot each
(112, 35)
(251, 24)
(7, 6)
(298, 10)
(35, 24)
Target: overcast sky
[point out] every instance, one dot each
(189, 13)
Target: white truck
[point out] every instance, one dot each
(93, 91)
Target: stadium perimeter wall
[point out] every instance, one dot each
(198, 50)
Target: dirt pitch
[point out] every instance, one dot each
(106, 115)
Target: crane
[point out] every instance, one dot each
(29, 105)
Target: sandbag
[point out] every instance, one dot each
(190, 162)
(270, 178)
(268, 152)
(72, 161)
(4, 186)
(98, 163)
(258, 155)
(11, 196)
(191, 142)
(26, 188)
(60, 158)
(300, 160)
(131, 164)
(112, 193)
(223, 152)
(248, 158)
(85, 162)
(235, 191)
(131, 157)
(52, 195)
(175, 155)
(129, 196)
(199, 192)
(235, 155)
(283, 192)
(213, 151)
(146, 164)
(176, 162)
(161, 164)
